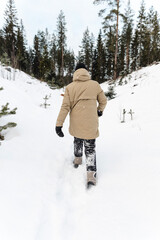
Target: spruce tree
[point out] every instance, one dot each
(135, 51)
(10, 31)
(146, 48)
(127, 36)
(87, 50)
(44, 58)
(21, 50)
(99, 63)
(142, 33)
(69, 64)
(112, 16)
(53, 53)
(95, 66)
(36, 57)
(2, 45)
(110, 51)
(30, 61)
(61, 43)
(45, 63)
(92, 46)
(156, 38)
(154, 29)
(121, 66)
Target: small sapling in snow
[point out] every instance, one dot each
(45, 104)
(124, 113)
(131, 113)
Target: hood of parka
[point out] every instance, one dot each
(81, 75)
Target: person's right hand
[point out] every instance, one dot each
(59, 131)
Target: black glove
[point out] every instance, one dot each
(59, 131)
(100, 113)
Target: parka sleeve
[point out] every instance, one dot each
(102, 100)
(65, 108)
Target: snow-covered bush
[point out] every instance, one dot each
(6, 111)
(110, 94)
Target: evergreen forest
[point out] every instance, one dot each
(124, 44)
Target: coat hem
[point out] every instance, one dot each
(84, 137)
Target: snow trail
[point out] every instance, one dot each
(43, 197)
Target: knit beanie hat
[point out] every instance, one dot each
(80, 65)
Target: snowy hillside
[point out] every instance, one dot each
(42, 197)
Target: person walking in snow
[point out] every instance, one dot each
(80, 100)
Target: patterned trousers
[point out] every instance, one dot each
(89, 149)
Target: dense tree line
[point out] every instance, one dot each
(48, 60)
(116, 51)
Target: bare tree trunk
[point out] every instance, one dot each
(116, 51)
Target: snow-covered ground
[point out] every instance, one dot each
(42, 197)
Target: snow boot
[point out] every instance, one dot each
(91, 178)
(77, 161)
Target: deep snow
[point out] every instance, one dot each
(42, 197)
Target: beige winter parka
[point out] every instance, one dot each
(80, 99)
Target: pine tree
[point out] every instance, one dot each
(142, 33)
(121, 66)
(51, 76)
(99, 63)
(10, 31)
(114, 14)
(30, 61)
(156, 38)
(154, 29)
(135, 51)
(45, 64)
(127, 36)
(44, 58)
(87, 50)
(53, 53)
(36, 57)
(95, 66)
(21, 51)
(2, 45)
(110, 51)
(92, 48)
(69, 64)
(61, 43)
(146, 48)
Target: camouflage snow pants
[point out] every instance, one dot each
(89, 149)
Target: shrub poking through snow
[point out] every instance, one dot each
(6, 111)
(110, 94)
